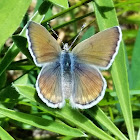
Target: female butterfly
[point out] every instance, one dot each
(75, 74)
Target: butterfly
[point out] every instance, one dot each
(75, 74)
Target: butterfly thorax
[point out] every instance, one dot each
(66, 61)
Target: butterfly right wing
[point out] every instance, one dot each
(88, 86)
(99, 50)
(49, 85)
(42, 45)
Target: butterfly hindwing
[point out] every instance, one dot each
(49, 85)
(88, 86)
(100, 49)
(42, 45)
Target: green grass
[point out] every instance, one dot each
(115, 117)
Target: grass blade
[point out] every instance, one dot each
(138, 135)
(105, 11)
(51, 125)
(61, 3)
(4, 135)
(13, 50)
(135, 66)
(96, 112)
(70, 115)
(104, 120)
(8, 12)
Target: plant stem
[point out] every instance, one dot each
(67, 10)
(71, 21)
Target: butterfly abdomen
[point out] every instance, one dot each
(66, 75)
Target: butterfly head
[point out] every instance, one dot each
(66, 47)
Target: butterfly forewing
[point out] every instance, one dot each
(100, 49)
(49, 85)
(88, 86)
(42, 46)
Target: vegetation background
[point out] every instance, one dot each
(24, 116)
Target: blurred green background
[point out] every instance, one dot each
(24, 116)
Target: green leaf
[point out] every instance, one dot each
(11, 15)
(135, 66)
(26, 90)
(4, 135)
(100, 116)
(132, 19)
(61, 3)
(21, 65)
(67, 113)
(88, 33)
(76, 118)
(13, 50)
(138, 135)
(125, 3)
(21, 43)
(131, 92)
(42, 123)
(44, 7)
(96, 112)
(3, 79)
(8, 97)
(65, 11)
(106, 17)
(129, 34)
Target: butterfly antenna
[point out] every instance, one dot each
(55, 33)
(77, 36)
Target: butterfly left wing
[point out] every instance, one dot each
(88, 86)
(49, 85)
(100, 49)
(42, 45)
